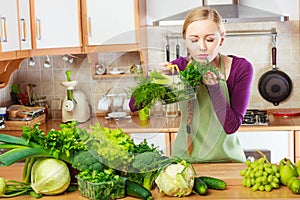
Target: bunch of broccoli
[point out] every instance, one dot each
(84, 160)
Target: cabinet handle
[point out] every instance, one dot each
(4, 33)
(89, 26)
(38, 29)
(23, 29)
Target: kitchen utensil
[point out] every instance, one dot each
(275, 85)
(177, 49)
(31, 62)
(47, 63)
(168, 50)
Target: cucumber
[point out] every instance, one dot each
(213, 183)
(136, 190)
(200, 186)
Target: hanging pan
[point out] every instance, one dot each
(274, 85)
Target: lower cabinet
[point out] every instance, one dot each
(279, 144)
(160, 140)
(297, 146)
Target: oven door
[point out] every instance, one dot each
(279, 144)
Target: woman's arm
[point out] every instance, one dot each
(239, 85)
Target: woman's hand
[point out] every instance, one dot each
(163, 68)
(210, 78)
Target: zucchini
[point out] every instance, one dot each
(136, 190)
(200, 186)
(213, 183)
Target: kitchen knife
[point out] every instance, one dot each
(177, 50)
(168, 51)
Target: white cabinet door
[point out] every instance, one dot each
(280, 143)
(158, 139)
(110, 22)
(57, 23)
(9, 26)
(24, 24)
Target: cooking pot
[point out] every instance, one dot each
(275, 85)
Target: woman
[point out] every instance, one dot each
(208, 124)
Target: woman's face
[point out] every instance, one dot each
(203, 40)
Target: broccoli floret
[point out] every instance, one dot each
(146, 161)
(146, 166)
(84, 160)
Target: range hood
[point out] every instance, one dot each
(231, 13)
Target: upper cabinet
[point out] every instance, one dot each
(114, 22)
(9, 25)
(110, 22)
(24, 25)
(56, 23)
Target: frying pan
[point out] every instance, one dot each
(275, 85)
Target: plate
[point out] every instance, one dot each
(116, 72)
(117, 114)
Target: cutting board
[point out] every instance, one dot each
(17, 125)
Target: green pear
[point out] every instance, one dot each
(298, 167)
(295, 186)
(287, 169)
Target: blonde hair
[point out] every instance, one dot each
(203, 13)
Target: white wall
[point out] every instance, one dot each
(288, 8)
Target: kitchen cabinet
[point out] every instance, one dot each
(297, 146)
(110, 22)
(280, 143)
(56, 23)
(9, 26)
(24, 25)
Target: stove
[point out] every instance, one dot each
(256, 117)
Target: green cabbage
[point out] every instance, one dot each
(50, 176)
(176, 179)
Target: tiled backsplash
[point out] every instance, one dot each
(257, 49)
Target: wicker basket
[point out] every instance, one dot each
(180, 92)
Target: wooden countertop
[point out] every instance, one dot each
(169, 125)
(229, 172)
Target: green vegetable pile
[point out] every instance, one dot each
(194, 72)
(33, 145)
(158, 87)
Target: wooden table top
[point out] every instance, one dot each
(229, 172)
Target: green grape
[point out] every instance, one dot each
(243, 172)
(276, 179)
(269, 170)
(261, 167)
(261, 188)
(264, 180)
(275, 168)
(275, 185)
(259, 179)
(261, 160)
(244, 182)
(270, 178)
(277, 174)
(268, 188)
(252, 181)
(248, 182)
(248, 163)
(252, 174)
(265, 173)
(258, 173)
(255, 187)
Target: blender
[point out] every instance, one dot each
(75, 105)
